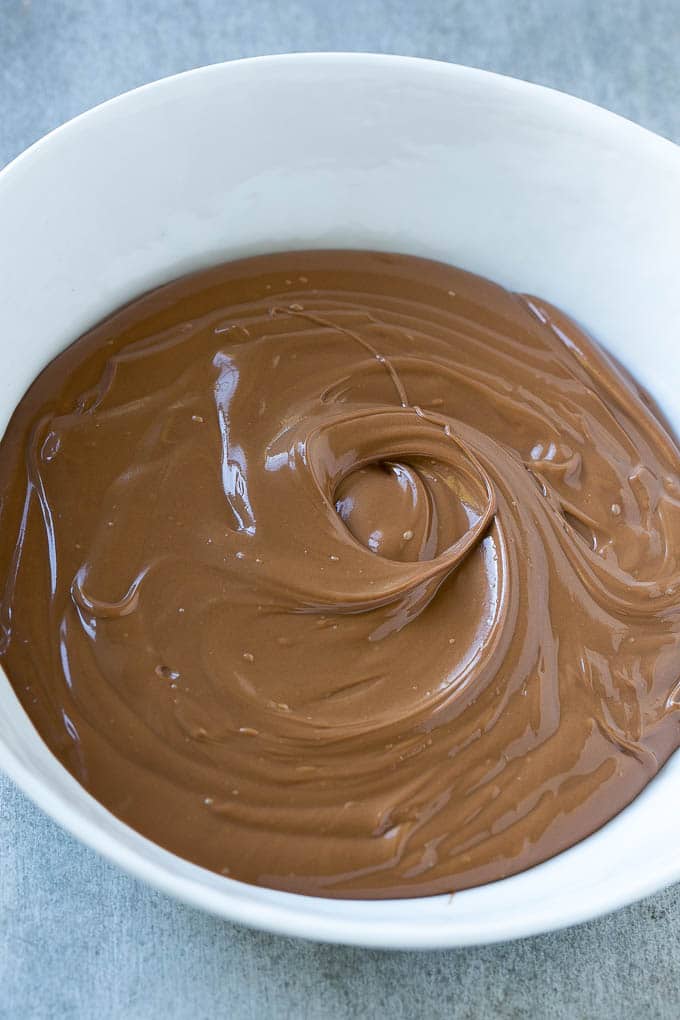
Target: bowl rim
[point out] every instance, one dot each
(541, 93)
(283, 915)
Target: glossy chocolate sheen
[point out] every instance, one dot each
(345, 573)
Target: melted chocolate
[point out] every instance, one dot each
(345, 573)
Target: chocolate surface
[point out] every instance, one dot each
(345, 573)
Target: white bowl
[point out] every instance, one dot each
(540, 191)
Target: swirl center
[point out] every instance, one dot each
(386, 507)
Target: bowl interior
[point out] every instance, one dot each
(541, 192)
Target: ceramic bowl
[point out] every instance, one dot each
(537, 190)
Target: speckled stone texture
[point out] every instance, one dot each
(78, 939)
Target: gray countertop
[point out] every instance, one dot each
(79, 939)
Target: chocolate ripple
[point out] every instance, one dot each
(345, 573)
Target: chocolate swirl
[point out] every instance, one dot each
(345, 573)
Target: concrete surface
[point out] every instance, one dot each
(78, 939)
